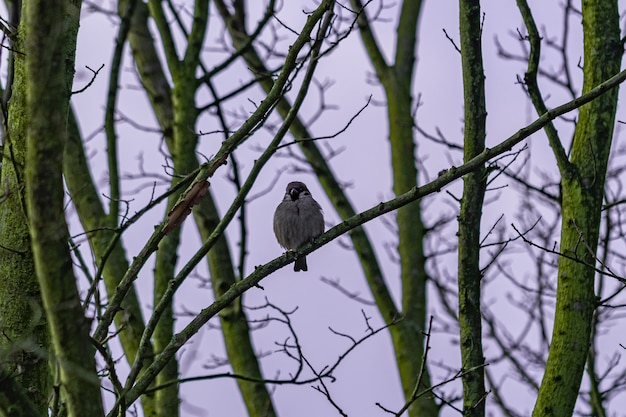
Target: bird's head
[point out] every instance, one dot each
(294, 189)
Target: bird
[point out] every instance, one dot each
(298, 220)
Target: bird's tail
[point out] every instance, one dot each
(300, 264)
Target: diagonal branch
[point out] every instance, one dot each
(530, 78)
(369, 39)
(412, 195)
(207, 170)
(323, 171)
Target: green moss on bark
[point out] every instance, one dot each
(49, 71)
(474, 184)
(581, 207)
(23, 324)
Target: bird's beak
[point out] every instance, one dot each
(294, 194)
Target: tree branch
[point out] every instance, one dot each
(414, 194)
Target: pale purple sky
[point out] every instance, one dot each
(369, 375)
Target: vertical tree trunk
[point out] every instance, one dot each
(397, 81)
(582, 193)
(22, 319)
(50, 50)
(469, 276)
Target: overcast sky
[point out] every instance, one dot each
(369, 375)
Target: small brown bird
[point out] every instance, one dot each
(298, 219)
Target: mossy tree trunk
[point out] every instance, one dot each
(397, 81)
(582, 195)
(23, 323)
(50, 47)
(469, 273)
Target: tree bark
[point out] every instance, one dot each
(582, 191)
(52, 27)
(474, 183)
(397, 82)
(22, 318)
